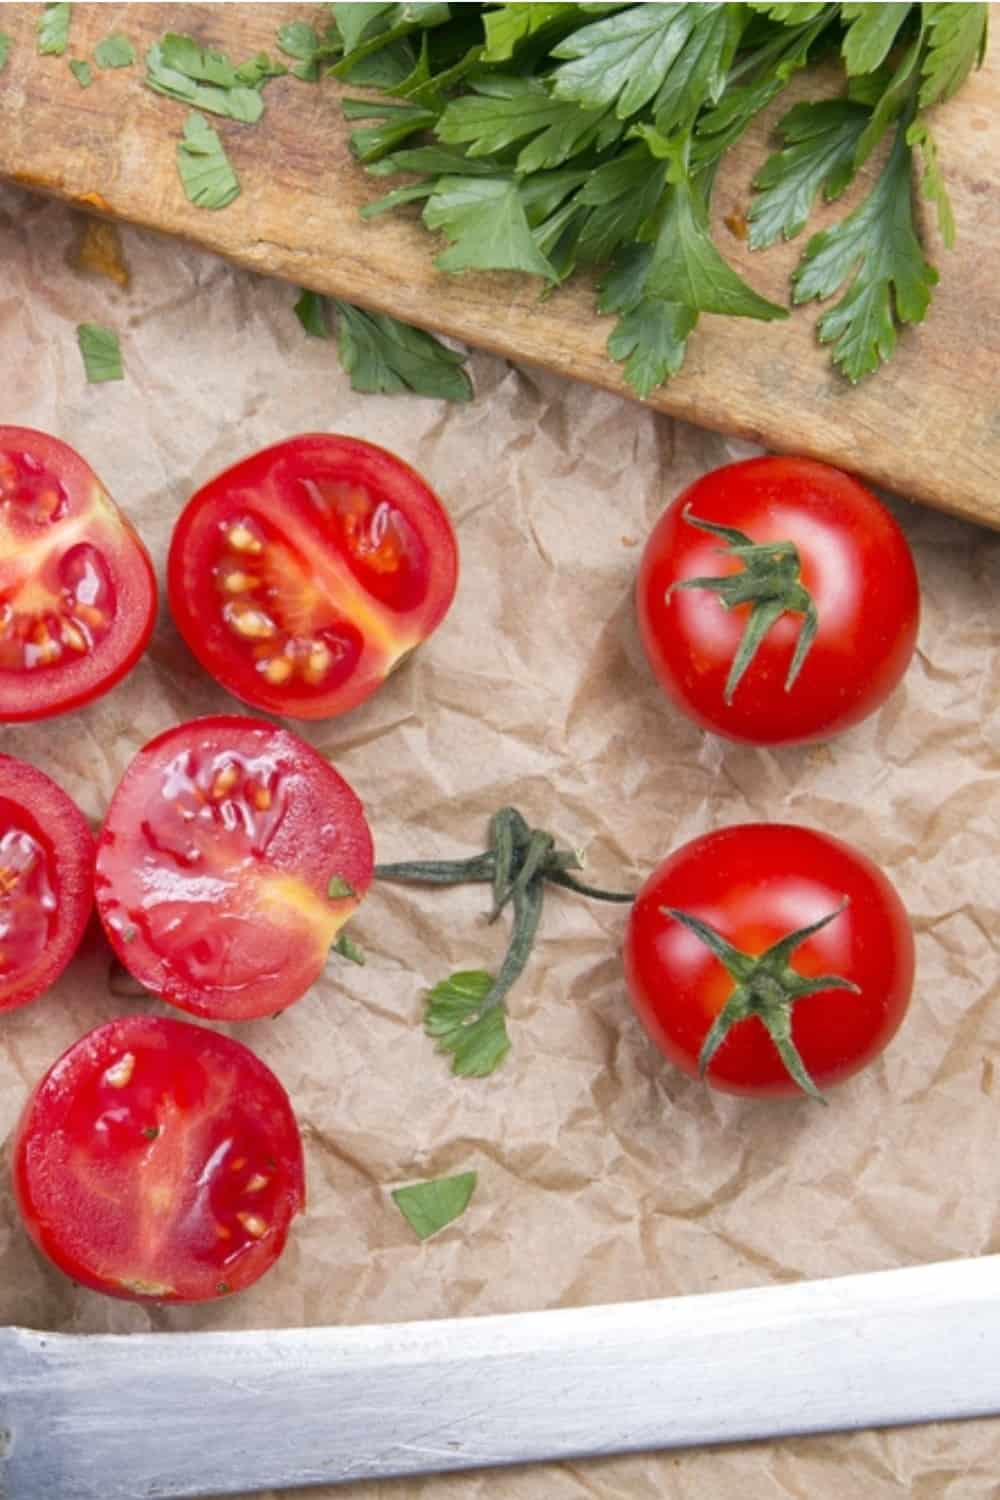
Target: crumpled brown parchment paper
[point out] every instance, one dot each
(603, 1174)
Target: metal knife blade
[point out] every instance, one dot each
(172, 1415)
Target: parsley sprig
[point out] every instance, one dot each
(546, 138)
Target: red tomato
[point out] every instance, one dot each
(46, 881)
(159, 1160)
(847, 554)
(302, 576)
(77, 588)
(231, 856)
(753, 885)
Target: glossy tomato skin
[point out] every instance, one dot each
(756, 883)
(159, 1161)
(77, 587)
(302, 576)
(231, 855)
(855, 562)
(46, 881)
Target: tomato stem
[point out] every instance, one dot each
(770, 583)
(517, 864)
(766, 987)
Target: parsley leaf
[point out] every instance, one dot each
(509, 25)
(177, 67)
(102, 359)
(957, 44)
(429, 1206)
(53, 29)
(484, 219)
(932, 183)
(82, 72)
(476, 1038)
(349, 949)
(876, 251)
(625, 59)
(385, 356)
(789, 14)
(300, 40)
(651, 338)
(310, 310)
(114, 52)
(339, 889)
(399, 122)
(205, 170)
(821, 140)
(4, 49)
(505, 111)
(871, 31)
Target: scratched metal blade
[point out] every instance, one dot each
(171, 1415)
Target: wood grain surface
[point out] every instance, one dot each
(927, 426)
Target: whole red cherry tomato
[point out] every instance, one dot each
(46, 881)
(773, 957)
(777, 601)
(159, 1160)
(302, 576)
(231, 856)
(77, 588)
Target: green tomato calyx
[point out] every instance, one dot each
(766, 987)
(770, 583)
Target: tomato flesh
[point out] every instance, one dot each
(856, 564)
(159, 1160)
(77, 589)
(231, 856)
(46, 893)
(302, 576)
(756, 883)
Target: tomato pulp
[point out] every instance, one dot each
(46, 881)
(755, 884)
(77, 588)
(159, 1160)
(231, 856)
(302, 576)
(854, 564)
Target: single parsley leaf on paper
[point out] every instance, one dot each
(102, 359)
(310, 309)
(429, 1206)
(82, 72)
(346, 947)
(455, 1018)
(875, 250)
(4, 49)
(385, 356)
(115, 51)
(819, 154)
(53, 29)
(206, 172)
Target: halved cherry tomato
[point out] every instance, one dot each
(158, 1160)
(231, 856)
(77, 588)
(807, 547)
(302, 576)
(46, 881)
(748, 888)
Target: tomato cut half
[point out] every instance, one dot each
(302, 576)
(46, 881)
(77, 588)
(159, 1161)
(231, 856)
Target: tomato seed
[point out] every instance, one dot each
(120, 1073)
(254, 1225)
(242, 539)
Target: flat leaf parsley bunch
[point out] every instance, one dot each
(546, 137)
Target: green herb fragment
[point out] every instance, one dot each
(339, 889)
(299, 40)
(819, 155)
(957, 45)
(506, 111)
(115, 51)
(223, 1288)
(151, 1132)
(932, 183)
(509, 25)
(102, 358)
(429, 1206)
(347, 948)
(255, 73)
(205, 171)
(311, 311)
(485, 221)
(177, 67)
(53, 29)
(871, 31)
(384, 356)
(4, 49)
(456, 1018)
(82, 72)
(398, 123)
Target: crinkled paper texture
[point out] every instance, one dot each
(603, 1173)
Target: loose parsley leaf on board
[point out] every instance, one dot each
(177, 67)
(429, 1206)
(82, 72)
(819, 155)
(385, 356)
(477, 1039)
(102, 359)
(205, 170)
(115, 51)
(4, 49)
(53, 29)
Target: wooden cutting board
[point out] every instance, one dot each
(927, 426)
